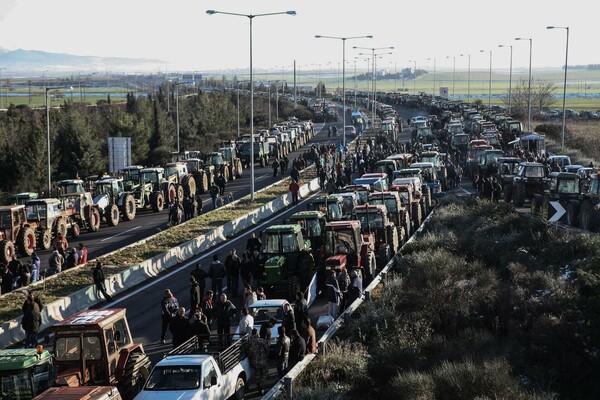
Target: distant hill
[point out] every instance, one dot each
(28, 61)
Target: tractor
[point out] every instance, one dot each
(233, 160)
(331, 205)
(347, 248)
(80, 212)
(24, 373)
(589, 208)
(396, 212)
(95, 347)
(561, 201)
(49, 220)
(203, 175)
(362, 192)
(15, 231)
(507, 169)
(114, 202)
(374, 221)
(409, 189)
(289, 258)
(142, 191)
(531, 178)
(313, 229)
(184, 182)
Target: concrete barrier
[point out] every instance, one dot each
(11, 331)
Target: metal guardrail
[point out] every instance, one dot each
(285, 384)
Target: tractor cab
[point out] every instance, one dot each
(380, 230)
(362, 192)
(402, 160)
(377, 182)
(22, 198)
(24, 373)
(331, 205)
(71, 186)
(343, 245)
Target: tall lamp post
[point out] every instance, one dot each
(469, 79)
(250, 19)
(433, 91)
(529, 85)
(490, 80)
(414, 77)
(343, 39)
(177, 112)
(509, 78)
(46, 89)
(453, 72)
(373, 76)
(562, 129)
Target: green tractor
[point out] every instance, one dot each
(24, 373)
(332, 205)
(289, 259)
(560, 202)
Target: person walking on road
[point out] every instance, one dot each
(83, 254)
(297, 349)
(294, 188)
(208, 306)
(355, 288)
(232, 266)
(100, 281)
(179, 327)
(200, 276)
(253, 243)
(275, 167)
(221, 184)
(168, 309)
(246, 322)
(295, 174)
(333, 294)
(217, 273)
(300, 308)
(257, 349)
(195, 295)
(36, 265)
(249, 296)
(214, 194)
(224, 312)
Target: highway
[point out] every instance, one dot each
(147, 223)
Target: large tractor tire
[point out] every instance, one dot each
(157, 200)
(203, 184)
(293, 286)
(584, 215)
(573, 215)
(61, 227)
(128, 208)
(180, 193)
(26, 241)
(111, 214)
(238, 168)
(45, 239)
(171, 193)
(189, 185)
(135, 374)
(507, 193)
(75, 231)
(94, 220)
(7, 251)
(416, 215)
(230, 171)
(519, 195)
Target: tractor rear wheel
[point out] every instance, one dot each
(26, 241)
(111, 214)
(45, 239)
(584, 215)
(158, 201)
(594, 219)
(128, 208)
(572, 215)
(180, 193)
(135, 373)
(507, 193)
(61, 227)
(171, 193)
(293, 286)
(189, 185)
(75, 231)
(519, 195)
(7, 251)
(94, 221)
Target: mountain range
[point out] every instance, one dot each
(18, 62)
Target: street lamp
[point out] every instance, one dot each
(343, 39)
(414, 76)
(562, 130)
(433, 91)
(469, 80)
(529, 86)
(250, 18)
(490, 80)
(509, 78)
(453, 72)
(373, 76)
(177, 112)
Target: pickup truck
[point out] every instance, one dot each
(196, 371)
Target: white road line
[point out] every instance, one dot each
(195, 260)
(120, 233)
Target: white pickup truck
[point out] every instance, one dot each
(190, 372)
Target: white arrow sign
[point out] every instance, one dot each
(560, 211)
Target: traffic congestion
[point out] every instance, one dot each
(231, 322)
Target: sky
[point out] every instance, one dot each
(180, 33)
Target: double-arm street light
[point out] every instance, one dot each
(529, 85)
(509, 78)
(490, 80)
(562, 129)
(343, 39)
(250, 19)
(373, 71)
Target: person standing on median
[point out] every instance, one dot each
(294, 189)
(99, 281)
(214, 194)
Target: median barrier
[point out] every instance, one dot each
(12, 333)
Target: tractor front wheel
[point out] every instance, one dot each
(135, 373)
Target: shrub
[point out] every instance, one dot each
(410, 385)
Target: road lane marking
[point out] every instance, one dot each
(120, 233)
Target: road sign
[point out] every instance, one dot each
(556, 212)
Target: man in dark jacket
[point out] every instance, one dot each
(221, 184)
(258, 352)
(200, 276)
(282, 352)
(297, 349)
(32, 319)
(289, 321)
(168, 308)
(217, 273)
(300, 308)
(333, 294)
(355, 289)
(99, 280)
(232, 266)
(224, 311)
(195, 296)
(214, 194)
(179, 327)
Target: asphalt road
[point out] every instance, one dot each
(147, 223)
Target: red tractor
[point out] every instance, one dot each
(347, 248)
(15, 231)
(375, 223)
